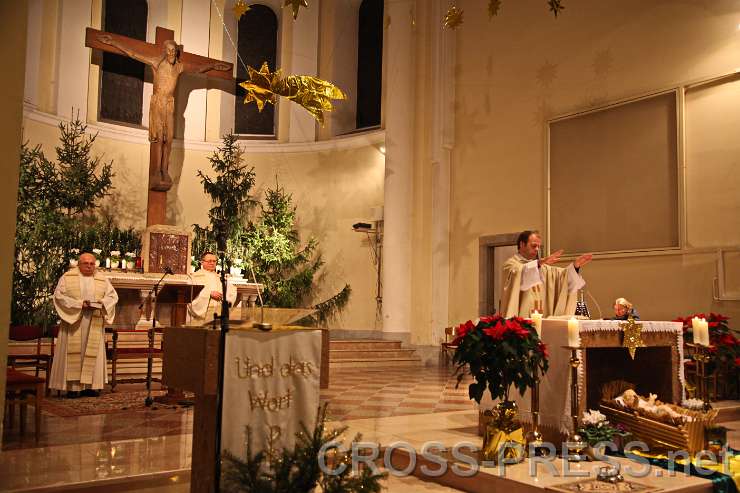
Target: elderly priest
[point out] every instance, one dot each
(532, 283)
(84, 300)
(208, 301)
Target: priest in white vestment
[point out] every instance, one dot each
(532, 283)
(85, 301)
(208, 301)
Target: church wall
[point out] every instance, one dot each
(334, 185)
(524, 67)
(12, 36)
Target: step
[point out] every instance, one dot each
(363, 344)
(342, 354)
(375, 363)
(728, 411)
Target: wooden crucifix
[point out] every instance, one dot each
(167, 61)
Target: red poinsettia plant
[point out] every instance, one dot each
(500, 353)
(724, 345)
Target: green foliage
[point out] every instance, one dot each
(56, 214)
(499, 353)
(297, 470)
(271, 246)
(229, 190)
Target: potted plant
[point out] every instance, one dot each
(130, 258)
(597, 431)
(115, 259)
(500, 354)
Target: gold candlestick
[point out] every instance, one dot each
(575, 443)
(534, 437)
(702, 356)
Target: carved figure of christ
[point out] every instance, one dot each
(167, 62)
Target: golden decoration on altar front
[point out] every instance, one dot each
(312, 93)
(493, 7)
(453, 18)
(240, 8)
(632, 336)
(296, 5)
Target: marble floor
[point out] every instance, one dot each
(150, 450)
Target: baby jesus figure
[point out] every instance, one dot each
(651, 407)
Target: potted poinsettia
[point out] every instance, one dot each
(500, 354)
(596, 430)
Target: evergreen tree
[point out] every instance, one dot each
(229, 192)
(285, 267)
(56, 202)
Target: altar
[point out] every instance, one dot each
(657, 368)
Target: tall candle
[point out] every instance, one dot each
(574, 339)
(107, 262)
(537, 322)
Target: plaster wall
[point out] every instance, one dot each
(524, 67)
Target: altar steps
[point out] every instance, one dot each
(728, 411)
(368, 353)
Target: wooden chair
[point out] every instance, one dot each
(447, 347)
(114, 352)
(40, 360)
(23, 389)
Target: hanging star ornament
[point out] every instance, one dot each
(555, 6)
(453, 18)
(240, 8)
(296, 5)
(314, 94)
(493, 7)
(632, 336)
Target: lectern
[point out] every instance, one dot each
(191, 363)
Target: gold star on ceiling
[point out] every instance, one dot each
(555, 6)
(632, 336)
(314, 94)
(453, 18)
(296, 5)
(240, 8)
(493, 7)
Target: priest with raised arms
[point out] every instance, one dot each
(85, 301)
(208, 301)
(532, 283)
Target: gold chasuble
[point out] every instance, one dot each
(549, 290)
(80, 359)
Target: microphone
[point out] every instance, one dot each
(168, 270)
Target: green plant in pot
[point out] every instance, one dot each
(500, 354)
(597, 431)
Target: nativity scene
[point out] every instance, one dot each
(368, 245)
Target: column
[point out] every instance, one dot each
(303, 60)
(192, 90)
(399, 124)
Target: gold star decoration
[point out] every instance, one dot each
(632, 336)
(296, 5)
(314, 94)
(453, 18)
(240, 8)
(555, 6)
(493, 7)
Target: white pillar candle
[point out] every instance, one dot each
(537, 322)
(574, 339)
(107, 262)
(702, 333)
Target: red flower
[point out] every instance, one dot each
(496, 332)
(737, 361)
(713, 324)
(727, 340)
(542, 348)
(463, 329)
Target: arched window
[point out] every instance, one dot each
(369, 63)
(257, 43)
(122, 79)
